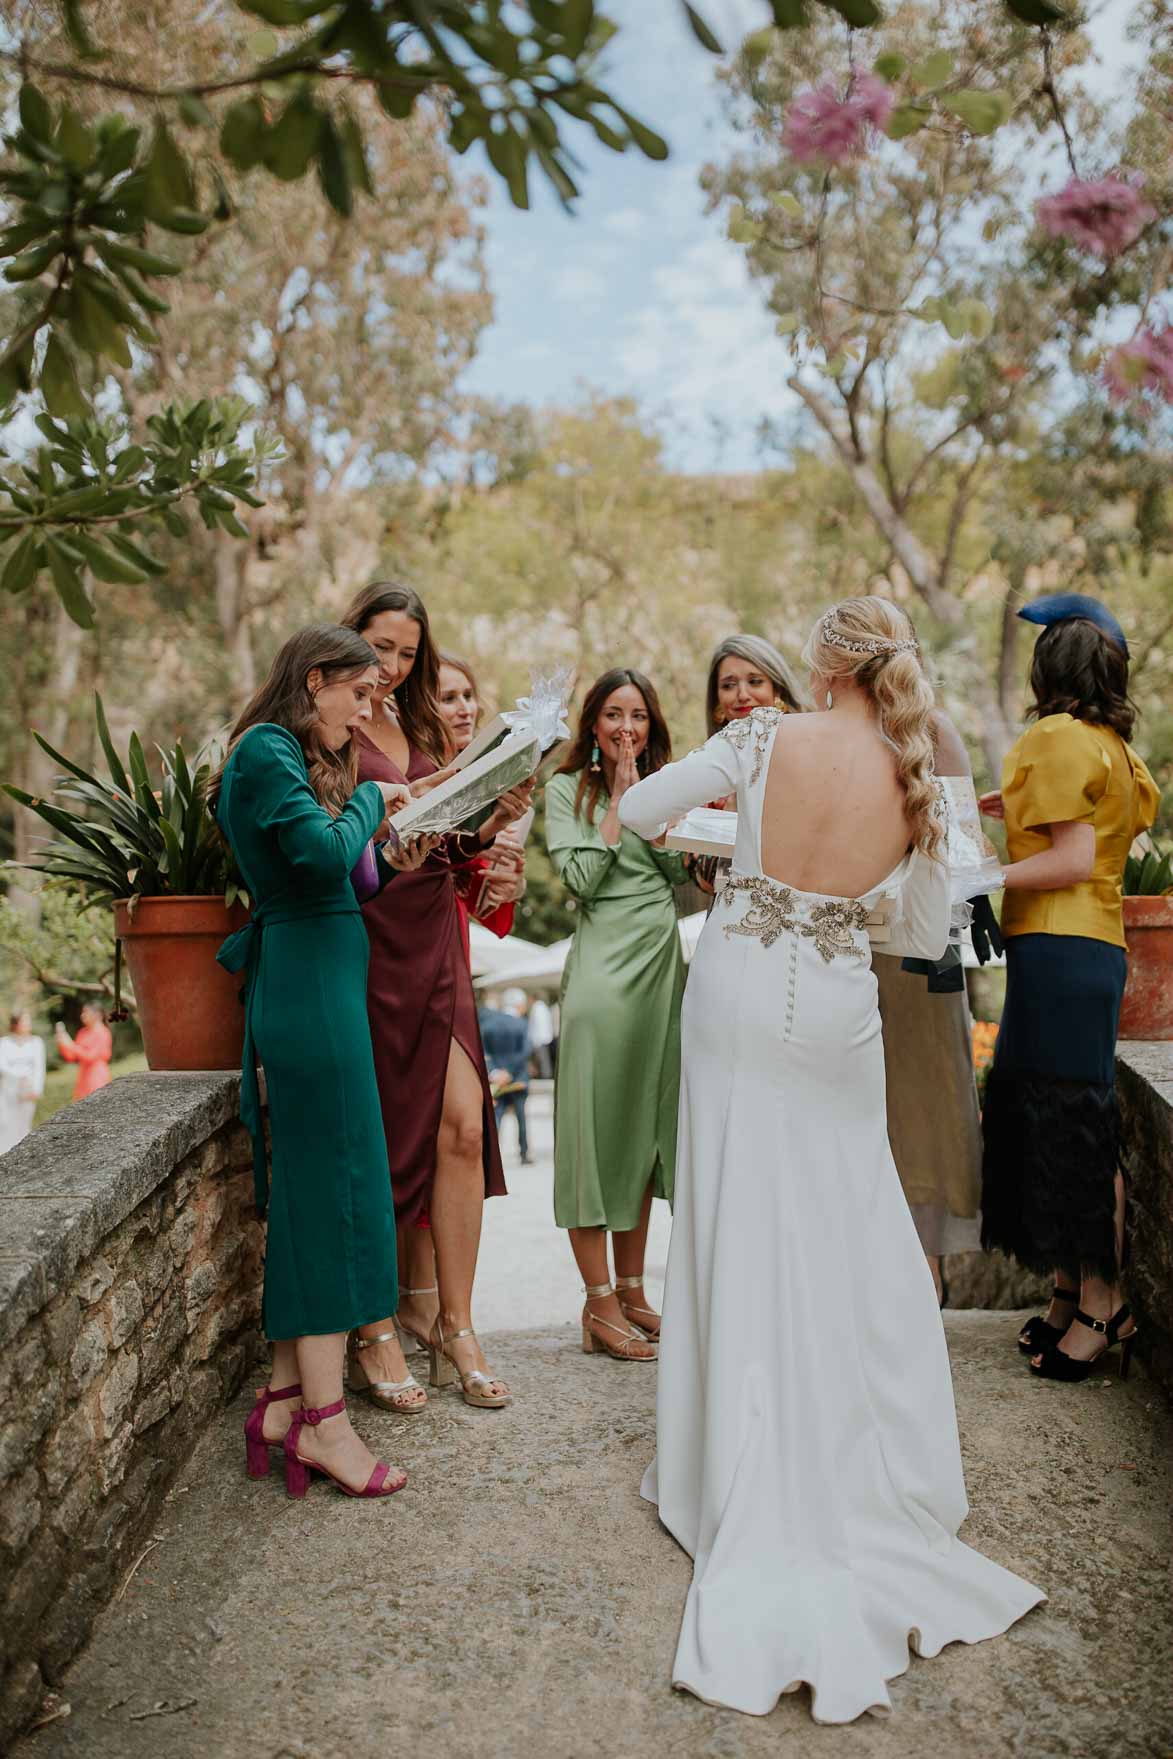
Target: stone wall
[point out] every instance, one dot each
(130, 1267)
(1144, 1082)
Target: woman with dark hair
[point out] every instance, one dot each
(437, 1105)
(1074, 796)
(288, 802)
(618, 1075)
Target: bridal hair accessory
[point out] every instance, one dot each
(542, 713)
(864, 644)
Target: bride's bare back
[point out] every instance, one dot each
(833, 812)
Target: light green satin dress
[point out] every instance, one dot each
(618, 1077)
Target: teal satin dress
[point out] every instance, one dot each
(330, 1248)
(618, 1079)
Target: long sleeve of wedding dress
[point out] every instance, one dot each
(807, 1448)
(708, 774)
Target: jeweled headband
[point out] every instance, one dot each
(864, 644)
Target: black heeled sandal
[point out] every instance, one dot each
(1037, 1334)
(1055, 1365)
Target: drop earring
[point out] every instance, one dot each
(595, 766)
(830, 700)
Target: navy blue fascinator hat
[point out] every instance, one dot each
(1062, 607)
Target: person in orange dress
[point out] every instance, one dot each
(91, 1050)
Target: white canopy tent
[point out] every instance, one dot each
(524, 964)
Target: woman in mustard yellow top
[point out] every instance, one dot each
(1074, 796)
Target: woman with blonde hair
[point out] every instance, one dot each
(808, 1457)
(748, 672)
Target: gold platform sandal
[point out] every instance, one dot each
(413, 1340)
(445, 1372)
(637, 1314)
(389, 1395)
(633, 1347)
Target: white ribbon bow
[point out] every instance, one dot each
(542, 714)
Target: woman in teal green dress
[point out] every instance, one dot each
(618, 1076)
(287, 802)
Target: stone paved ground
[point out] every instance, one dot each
(518, 1598)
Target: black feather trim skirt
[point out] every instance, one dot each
(1050, 1124)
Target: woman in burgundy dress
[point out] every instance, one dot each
(434, 1089)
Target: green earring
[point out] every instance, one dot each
(595, 756)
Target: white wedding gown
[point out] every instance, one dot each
(807, 1451)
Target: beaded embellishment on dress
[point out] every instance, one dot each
(774, 910)
(756, 730)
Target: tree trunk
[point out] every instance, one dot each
(921, 568)
(39, 770)
(231, 559)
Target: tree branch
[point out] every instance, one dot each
(912, 555)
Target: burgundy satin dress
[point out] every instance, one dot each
(420, 998)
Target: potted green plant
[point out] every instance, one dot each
(1147, 1008)
(156, 854)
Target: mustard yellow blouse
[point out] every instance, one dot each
(1065, 771)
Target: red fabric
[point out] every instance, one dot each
(420, 998)
(92, 1049)
(469, 887)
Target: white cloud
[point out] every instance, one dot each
(704, 344)
(580, 281)
(627, 222)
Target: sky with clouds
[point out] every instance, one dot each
(639, 292)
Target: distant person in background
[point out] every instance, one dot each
(22, 1079)
(507, 1049)
(541, 1038)
(91, 1050)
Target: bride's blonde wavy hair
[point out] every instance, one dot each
(872, 642)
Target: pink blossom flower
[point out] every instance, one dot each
(1143, 365)
(1104, 215)
(822, 125)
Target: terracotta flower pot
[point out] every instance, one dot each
(1147, 1009)
(188, 1006)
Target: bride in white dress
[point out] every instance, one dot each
(807, 1451)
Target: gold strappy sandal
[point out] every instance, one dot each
(389, 1395)
(634, 1347)
(413, 1340)
(636, 1314)
(445, 1372)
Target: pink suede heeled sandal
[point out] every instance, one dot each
(297, 1470)
(256, 1443)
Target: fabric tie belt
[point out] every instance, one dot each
(242, 952)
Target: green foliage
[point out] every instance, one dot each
(66, 946)
(80, 504)
(1149, 875)
(124, 838)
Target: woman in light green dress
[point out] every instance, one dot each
(618, 1076)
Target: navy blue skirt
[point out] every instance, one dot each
(1050, 1124)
